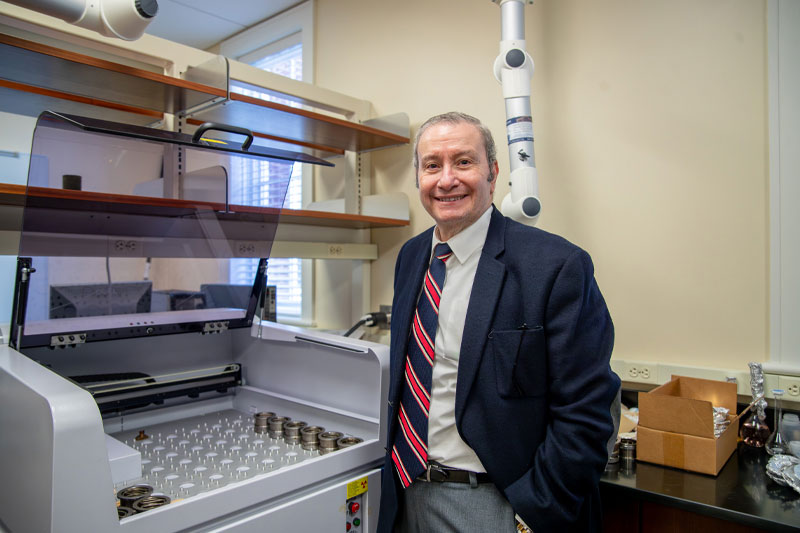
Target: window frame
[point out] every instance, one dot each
(783, 29)
(295, 25)
(299, 19)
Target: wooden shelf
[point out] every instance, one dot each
(83, 202)
(298, 126)
(38, 68)
(12, 195)
(276, 141)
(35, 77)
(338, 220)
(23, 99)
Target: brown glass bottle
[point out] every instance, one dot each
(755, 431)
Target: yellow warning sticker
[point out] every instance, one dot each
(212, 140)
(354, 488)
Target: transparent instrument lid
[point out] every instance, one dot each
(135, 231)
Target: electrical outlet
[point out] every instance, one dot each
(127, 248)
(640, 372)
(791, 385)
(245, 249)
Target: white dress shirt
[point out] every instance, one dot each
(444, 443)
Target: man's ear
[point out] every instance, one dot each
(494, 170)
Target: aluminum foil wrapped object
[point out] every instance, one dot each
(784, 470)
(721, 421)
(757, 388)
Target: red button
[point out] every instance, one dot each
(354, 507)
(348, 526)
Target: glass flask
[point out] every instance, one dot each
(755, 431)
(776, 444)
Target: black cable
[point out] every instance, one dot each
(355, 327)
(371, 319)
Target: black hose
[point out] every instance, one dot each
(372, 319)
(355, 327)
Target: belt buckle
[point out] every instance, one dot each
(437, 468)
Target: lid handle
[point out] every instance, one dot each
(206, 126)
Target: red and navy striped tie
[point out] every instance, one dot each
(410, 448)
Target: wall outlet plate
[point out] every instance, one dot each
(792, 387)
(640, 372)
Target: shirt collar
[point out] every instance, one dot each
(469, 240)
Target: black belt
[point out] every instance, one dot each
(442, 474)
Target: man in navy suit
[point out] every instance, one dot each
(501, 390)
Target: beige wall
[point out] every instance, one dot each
(651, 144)
(651, 126)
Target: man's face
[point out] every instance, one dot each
(454, 176)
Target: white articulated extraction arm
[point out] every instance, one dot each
(513, 68)
(123, 19)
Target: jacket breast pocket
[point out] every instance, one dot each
(520, 359)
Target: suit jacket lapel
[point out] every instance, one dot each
(489, 280)
(407, 305)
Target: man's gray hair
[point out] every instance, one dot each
(455, 117)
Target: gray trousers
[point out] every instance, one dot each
(456, 507)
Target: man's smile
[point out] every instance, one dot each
(451, 198)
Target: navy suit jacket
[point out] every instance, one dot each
(535, 387)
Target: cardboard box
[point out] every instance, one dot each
(627, 420)
(676, 424)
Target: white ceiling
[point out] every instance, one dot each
(204, 23)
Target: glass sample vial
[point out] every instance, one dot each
(776, 443)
